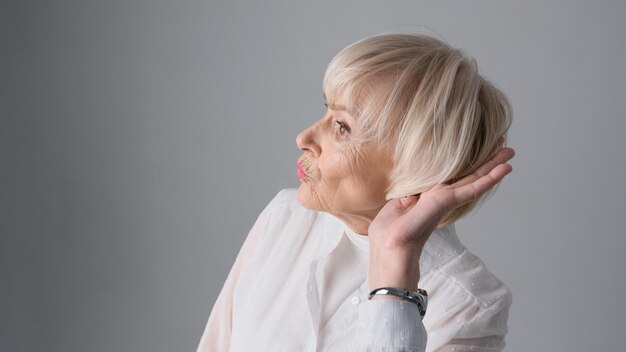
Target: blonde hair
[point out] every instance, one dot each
(428, 99)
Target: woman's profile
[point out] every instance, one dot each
(364, 256)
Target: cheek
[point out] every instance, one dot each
(349, 172)
(356, 165)
(371, 170)
(335, 167)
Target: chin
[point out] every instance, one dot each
(306, 199)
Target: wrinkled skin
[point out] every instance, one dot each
(345, 177)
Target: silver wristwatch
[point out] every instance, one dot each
(420, 297)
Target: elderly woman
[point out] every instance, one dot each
(364, 255)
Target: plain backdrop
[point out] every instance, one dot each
(139, 140)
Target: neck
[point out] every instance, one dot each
(358, 223)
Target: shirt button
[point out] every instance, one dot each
(355, 300)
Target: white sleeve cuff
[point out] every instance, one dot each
(390, 325)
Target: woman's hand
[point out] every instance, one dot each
(398, 233)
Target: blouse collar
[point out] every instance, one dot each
(440, 247)
(362, 242)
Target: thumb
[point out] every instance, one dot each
(407, 201)
(398, 206)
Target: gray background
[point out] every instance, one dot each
(139, 141)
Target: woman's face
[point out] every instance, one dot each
(340, 174)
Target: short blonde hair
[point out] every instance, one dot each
(426, 97)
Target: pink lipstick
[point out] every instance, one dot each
(300, 171)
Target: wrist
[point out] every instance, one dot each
(394, 270)
(419, 297)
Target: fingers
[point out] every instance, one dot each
(499, 158)
(497, 146)
(479, 186)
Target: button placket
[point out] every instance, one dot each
(313, 299)
(345, 318)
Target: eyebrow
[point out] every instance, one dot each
(337, 107)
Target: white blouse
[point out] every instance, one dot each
(299, 283)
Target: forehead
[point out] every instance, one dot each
(338, 103)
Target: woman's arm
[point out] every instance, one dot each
(400, 230)
(398, 233)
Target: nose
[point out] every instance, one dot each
(308, 140)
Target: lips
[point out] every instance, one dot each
(300, 171)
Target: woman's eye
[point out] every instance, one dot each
(343, 128)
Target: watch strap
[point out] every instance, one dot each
(419, 297)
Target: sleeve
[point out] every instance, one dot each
(390, 325)
(216, 336)
(472, 326)
(456, 321)
(393, 325)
